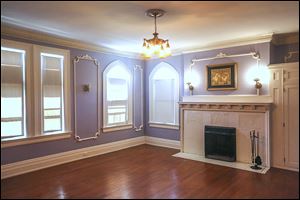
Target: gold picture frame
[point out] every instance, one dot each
(221, 76)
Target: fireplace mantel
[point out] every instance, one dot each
(244, 99)
(245, 112)
(241, 103)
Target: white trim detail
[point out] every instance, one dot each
(30, 165)
(160, 125)
(32, 35)
(13, 29)
(116, 128)
(254, 55)
(174, 144)
(232, 43)
(38, 87)
(97, 64)
(255, 99)
(35, 139)
(128, 115)
(28, 93)
(141, 127)
(34, 164)
(158, 73)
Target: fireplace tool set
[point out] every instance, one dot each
(256, 160)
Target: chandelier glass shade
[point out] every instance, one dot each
(155, 46)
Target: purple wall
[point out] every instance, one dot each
(23, 152)
(177, 63)
(246, 65)
(181, 64)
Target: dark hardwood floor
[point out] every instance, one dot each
(149, 172)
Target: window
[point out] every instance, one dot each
(52, 89)
(117, 95)
(52, 79)
(30, 109)
(13, 119)
(164, 96)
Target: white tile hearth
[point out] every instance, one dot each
(237, 165)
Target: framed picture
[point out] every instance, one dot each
(222, 76)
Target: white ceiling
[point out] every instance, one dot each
(122, 25)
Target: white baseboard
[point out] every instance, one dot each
(285, 168)
(30, 165)
(174, 144)
(34, 164)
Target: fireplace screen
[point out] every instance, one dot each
(220, 143)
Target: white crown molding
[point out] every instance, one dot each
(231, 43)
(224, 44)
(22, 33)
(34, 164)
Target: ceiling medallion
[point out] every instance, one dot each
(156, 46)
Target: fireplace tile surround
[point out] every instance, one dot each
(244, 112)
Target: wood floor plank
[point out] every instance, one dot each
(149, 172)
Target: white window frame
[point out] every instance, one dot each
(33, 98)
(38, 88)
(26, 88)
(129, 125)
(152, 103)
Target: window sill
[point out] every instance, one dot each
(116, 128)
(160, 125)
(36, 139)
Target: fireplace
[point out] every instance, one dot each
(220, 143)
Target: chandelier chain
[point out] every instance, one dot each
(155, 23)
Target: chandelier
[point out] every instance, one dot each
(156, 46)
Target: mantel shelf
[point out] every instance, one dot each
(227, 99)
(239, 103)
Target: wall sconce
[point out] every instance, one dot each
(191, 87)
(258, 85)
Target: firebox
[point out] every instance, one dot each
(220, 143)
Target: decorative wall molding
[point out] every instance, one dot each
(254, 55)
(140, 68)
(34, 164)
(226, 107)
(231, 103)
(97, 64)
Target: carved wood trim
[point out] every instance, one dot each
(234, 107)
